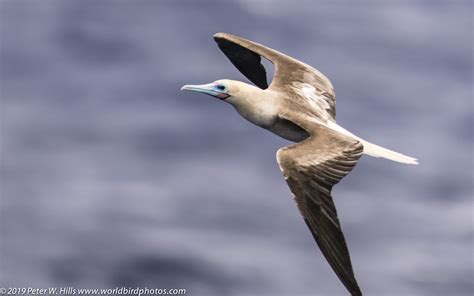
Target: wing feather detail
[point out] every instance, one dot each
(311, 168)
(289, 72)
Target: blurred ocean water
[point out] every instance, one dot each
(110, 176)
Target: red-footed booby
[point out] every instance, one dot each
(299, 105)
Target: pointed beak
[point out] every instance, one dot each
(203, 88)
(208, 89)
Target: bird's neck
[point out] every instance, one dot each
(256, 105)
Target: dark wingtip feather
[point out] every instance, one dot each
(245, 60)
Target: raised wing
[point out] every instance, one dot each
(245, 60)
(246, 57)
(311, 168)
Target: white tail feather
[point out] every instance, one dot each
(375, 150)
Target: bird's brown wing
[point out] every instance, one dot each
(246, 57)
(311, 168)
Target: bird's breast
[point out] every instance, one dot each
(271, 122)
(261, 114)
(264, 112)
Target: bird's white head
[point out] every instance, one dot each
(231, 91)
(220, 89)
(252, 103)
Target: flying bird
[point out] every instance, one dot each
(299, 105)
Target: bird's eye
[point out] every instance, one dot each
(220, 87)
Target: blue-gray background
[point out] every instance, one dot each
(113, 177)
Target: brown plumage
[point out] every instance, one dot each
(299, 105)
(311, 168)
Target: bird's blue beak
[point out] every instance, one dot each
(208, 89)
